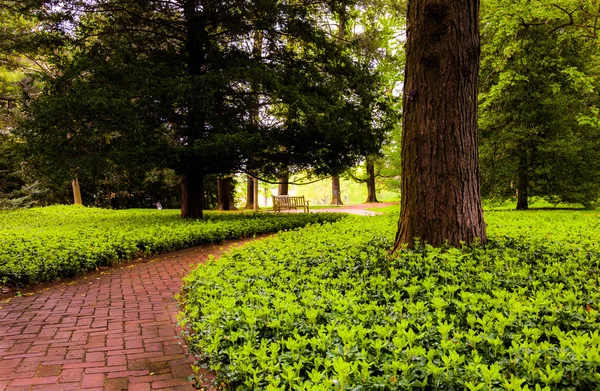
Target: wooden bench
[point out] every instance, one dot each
(287, 202)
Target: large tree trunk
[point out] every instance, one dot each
(336, 196)
(284, 187)
(523, 185)
(371, 190)
(192, 195)
(76, 192)
(224, 195)
(441, 199)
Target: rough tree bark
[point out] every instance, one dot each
(523, 185)
(336, 196)
(224, 196)
(284, 186)
(192, 195)
(441, 199)
(371, 189)
(76, 192)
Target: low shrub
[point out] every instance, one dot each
(43, 244)
(326, 308)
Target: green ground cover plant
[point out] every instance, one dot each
(326, 308)
(43, 244)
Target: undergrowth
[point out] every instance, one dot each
(43, 244)
(326, 308)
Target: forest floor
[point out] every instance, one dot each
(113, 329)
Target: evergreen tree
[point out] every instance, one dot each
(175, 85)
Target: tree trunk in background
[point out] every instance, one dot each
(192, 195)
(441, 199)
(336, 196)
(76, 192)
(284, 187)
(523, 185)
(192, 181)
(255, 191)
(224, 194)
(371, 189)
(249, 192)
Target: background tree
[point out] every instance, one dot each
(539, 81)
(440, 200)
(376, 41)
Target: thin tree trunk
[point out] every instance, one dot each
(249, 192)
(232, 194)
(76, 192)
(192, 195)
(523, 185)
(371, 189)
(255, 114)
(284, 187)
(441, 200)
(223, 194)
(255, 191)
(336, 196)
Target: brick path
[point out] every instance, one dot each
(112, 330)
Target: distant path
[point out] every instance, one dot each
(359, 209)
(110, 330)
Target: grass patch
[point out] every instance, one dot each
(43, 244)
(325, 308)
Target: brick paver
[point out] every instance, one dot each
(112, 330)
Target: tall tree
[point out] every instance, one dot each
(176, 82)
(336, 191)
(373, 28)
(440, 180)
(540, 76)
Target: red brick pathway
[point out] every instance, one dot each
(114, 330)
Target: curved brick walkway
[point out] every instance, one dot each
(112, 330)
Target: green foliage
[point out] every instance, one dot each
(540, 73)
(17, 48)
(186, 86)
(326, 308)
(42, 244)
(25, 197)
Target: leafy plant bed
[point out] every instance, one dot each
(325, 308)
(43, 244)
